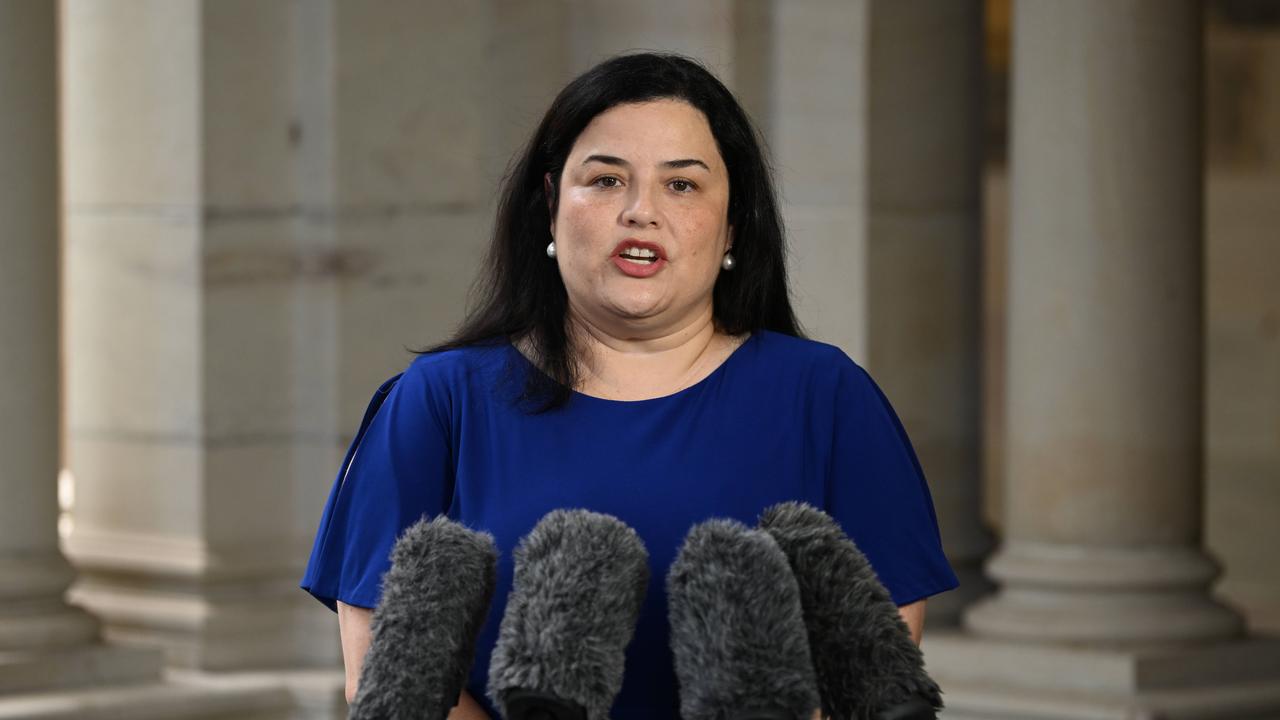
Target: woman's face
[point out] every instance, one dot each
(642, 222)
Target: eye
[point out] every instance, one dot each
(682, 186)
(606, 181)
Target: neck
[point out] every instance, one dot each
(629, 364)
(591, 335)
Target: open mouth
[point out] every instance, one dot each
(640, 256)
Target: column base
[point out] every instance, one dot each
(1062, 593)
(1000, 680)
(947, 610)
(26, 672)
(251, 629)
(314, 694)
(54, 625)
(1118, 619)
(236, 609)
(33, 615)
(190, 695)
(174, 700)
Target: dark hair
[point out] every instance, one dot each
(519, 291)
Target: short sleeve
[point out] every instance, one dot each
(878, 493)
(397, 470)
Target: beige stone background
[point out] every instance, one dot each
(222, 222)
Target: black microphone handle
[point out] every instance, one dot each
(525, 704)
(917, 708)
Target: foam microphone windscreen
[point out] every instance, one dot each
(580, 579)
(868, 666)
(434, 601)
(737, 628)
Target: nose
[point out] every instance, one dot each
(640, 210)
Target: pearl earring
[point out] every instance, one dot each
(551, 250)
(728, 263)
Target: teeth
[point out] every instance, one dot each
(639, 255)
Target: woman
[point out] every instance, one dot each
(634, 353)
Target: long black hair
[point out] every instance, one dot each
(519, 293)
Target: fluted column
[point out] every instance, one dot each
(1104, 460)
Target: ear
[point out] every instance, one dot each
(729, 246)
(549, 191)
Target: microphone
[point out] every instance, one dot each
(580, 579)
(434, 601)
(867, 664)
(737, 628)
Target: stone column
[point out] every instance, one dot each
(52, 664)
(874, 114)
(1105, 332)
(266, 203)
(46, 645)
(924, 255)
(33, 573)
(1104, 607)
(703, 30)
(816, 113)
(199, 312)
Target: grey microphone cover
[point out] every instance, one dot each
(580, 579)
(863, 653)
(737, 627)
(434, 600)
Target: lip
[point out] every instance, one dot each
(635, 269)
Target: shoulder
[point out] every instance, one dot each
(457, 363)
(811, 358)
(817, 376)
(444, 378)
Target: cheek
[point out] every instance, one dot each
(578, 236)
(705, 228)
(580, 218)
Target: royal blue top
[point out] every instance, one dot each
(781, 419)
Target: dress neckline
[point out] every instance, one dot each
(719, 370)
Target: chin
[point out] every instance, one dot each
(636, 314)
(637, 309)
(632, 301)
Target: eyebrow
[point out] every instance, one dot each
(674, 164)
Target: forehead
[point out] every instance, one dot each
(657, 130)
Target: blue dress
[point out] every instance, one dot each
(781, 419)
